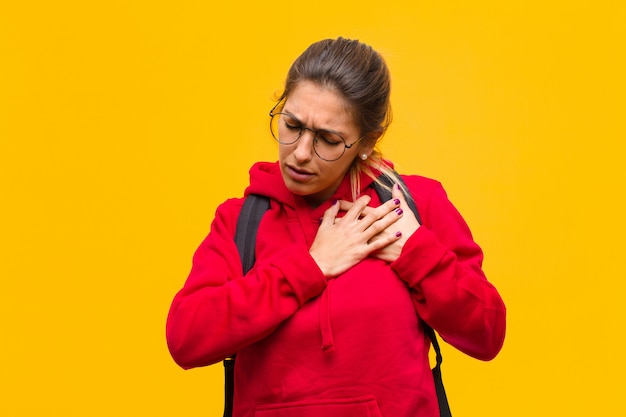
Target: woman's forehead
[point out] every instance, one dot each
(319, 107)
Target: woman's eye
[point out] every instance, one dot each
(329, 139)
(292, 125)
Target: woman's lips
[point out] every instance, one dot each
(299, 175)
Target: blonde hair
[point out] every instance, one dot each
(373, 165)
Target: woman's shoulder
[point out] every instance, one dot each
(428, 194)
(419, 183)
(228, 211)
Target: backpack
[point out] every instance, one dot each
(254, 207)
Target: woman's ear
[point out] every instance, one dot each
(368, 144)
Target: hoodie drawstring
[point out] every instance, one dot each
(328, 343)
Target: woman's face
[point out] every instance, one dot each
(304, 173)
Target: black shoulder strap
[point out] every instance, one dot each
(384, 194)
(254, 206)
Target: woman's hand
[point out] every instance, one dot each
(342, 242)
(407, 224)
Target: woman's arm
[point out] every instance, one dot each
(443, 266)
(219, 311)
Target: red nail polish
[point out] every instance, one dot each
(397, 201)
(398, 234)
(399, 211)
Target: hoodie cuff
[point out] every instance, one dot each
(302, 273)
(421, 253)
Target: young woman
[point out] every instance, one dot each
(328, 322)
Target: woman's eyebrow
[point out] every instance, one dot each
(288, 113)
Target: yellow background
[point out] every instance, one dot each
(123, 124)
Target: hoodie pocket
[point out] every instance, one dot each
(344, 407)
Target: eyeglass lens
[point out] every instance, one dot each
(287, 130)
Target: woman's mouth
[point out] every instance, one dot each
(299, 175)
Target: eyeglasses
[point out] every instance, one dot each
(327, 145)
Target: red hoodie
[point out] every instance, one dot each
(348, 346)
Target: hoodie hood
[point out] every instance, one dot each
(267, 180)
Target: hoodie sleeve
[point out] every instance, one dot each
(219, 311)
(443, 266)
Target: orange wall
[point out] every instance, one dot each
(124, 124)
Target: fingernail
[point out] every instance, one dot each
(397, 201)
(397, 186)
(335, 202)
(399, 211)
(321, 219)
(398, 234)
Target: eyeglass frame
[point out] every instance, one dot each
(315, 133)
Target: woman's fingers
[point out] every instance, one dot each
(353, 211)
(362, 210)
(377, 224)
(384, 240)
(376, 220)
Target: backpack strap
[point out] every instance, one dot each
(384, 194)
(254, 207)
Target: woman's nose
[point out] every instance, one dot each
(304, 146)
